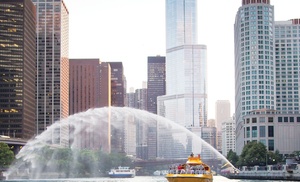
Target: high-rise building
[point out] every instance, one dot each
(185, 102)
(84, 85)
(222, 112)
(254, 60)
(17, 68)
(266, 78)
(156, 83)
(118, 88)
(105, 85)
(52, 66)
(228, 136)
(118, 93)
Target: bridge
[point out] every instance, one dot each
(15, 144)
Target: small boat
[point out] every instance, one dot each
(122, 172)
(194, 170)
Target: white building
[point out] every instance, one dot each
(228, 136)
(266, 78)
(185, 101)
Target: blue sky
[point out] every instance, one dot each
(131, 30)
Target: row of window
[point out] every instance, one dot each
(271, 119)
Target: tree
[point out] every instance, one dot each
(254, 153)
(232, 157)
(6, 155)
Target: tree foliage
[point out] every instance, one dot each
(66, 162)
(232, 157)
(6, 155)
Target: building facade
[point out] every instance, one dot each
(105, 85)
(52, 66)
(254, 61)
(17, 68)
(84, 85)
(222, 113)
(266, 78)
(156, 83)
(118, 93)
(185, 101)
(228, 136)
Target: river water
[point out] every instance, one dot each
(136, 179)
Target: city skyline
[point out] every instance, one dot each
(131, 39)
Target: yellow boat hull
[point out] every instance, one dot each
(189, 178)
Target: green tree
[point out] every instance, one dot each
(6, 155)
(232, 157)
(254, 153)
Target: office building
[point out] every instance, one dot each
(266, 78)
(118, 93)
(52, 67)
(17, 68)
(84, 85)
(118, 84)
(222, 112)
(156, 83)
(228, 136)
(105, 85)
(185, 102)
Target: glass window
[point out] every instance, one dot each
(270, 131)
(261, 119)
(271, 145)
(262, 131)
(254, 131)
(279, 119)
(270, 119)
(291, 119)
(248, 132)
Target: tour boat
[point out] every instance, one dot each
(290, 172)
(122, 172)
(194, 170)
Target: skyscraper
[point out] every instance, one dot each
(84, 84)
(156, 83)
(52, 64)
(266, 78)
(118, 88)
(118, 93)
(185, 101)
(222, 112)
(17, 68)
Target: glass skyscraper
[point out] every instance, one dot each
(185, 101)
(17, 68)
(52, 65)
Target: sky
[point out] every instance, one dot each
(131, 30)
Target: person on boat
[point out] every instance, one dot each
(192, 154)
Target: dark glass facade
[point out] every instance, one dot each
(118, 92)
(156, 83)
(17, 68)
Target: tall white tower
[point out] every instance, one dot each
(254, 60)
(185, 101)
